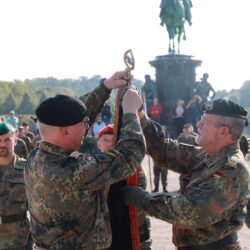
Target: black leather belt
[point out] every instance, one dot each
(12, 218)
(230, 239)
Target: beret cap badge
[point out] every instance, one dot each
(209, 105)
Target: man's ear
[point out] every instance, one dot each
(15, 140)
(224, 131)
(64, 131)
(98, 144)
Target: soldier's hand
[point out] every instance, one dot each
(115, 81)
(132, 195)
(131, 101)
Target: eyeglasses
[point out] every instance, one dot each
(86, 122)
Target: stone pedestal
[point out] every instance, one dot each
(175, 76)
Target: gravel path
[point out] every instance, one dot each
(161, 232)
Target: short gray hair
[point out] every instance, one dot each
(46, 130)
(235, 125)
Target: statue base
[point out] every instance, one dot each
(175, 76)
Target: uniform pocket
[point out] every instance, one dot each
(17, 191)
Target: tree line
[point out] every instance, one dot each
(24, 96)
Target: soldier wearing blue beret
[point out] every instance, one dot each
(14, 225)
(208, 212)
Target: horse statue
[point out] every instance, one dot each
(174, 14)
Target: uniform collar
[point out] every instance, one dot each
(53, 149)
(211, 160)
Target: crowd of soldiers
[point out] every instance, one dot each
(65, 192)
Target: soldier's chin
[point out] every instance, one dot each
(4, 153)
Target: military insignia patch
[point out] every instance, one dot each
(217, 175)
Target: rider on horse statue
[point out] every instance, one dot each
(173, 14)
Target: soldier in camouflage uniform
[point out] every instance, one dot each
(66, 198)
(14, 225)
(27, 131)
(187, 137)
(209, 210)
(26, 139)
(163, 173)
(105, 140)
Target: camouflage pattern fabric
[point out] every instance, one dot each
(211, 205)
(13, 201)
(163, 173)
(30, 135)
(248, 215)
(186, 140)
(27, 140)
(234, 246)
(35, 141)
(66, 194)
(144, 222)
(21, 148)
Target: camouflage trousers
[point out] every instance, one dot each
(160, 172)
(144, 230)
(234, 246)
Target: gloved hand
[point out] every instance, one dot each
(133, 195)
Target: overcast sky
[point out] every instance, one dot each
(73, 38)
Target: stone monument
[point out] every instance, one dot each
(175, 73)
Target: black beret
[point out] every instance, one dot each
(61, 110)
(225, 107)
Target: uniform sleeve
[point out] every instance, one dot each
(114, 165)
(168, 153)
(95, 100)
(203, 204)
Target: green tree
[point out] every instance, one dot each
(27, 106)
(43, 97)
(10, 104)
(244, 94)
